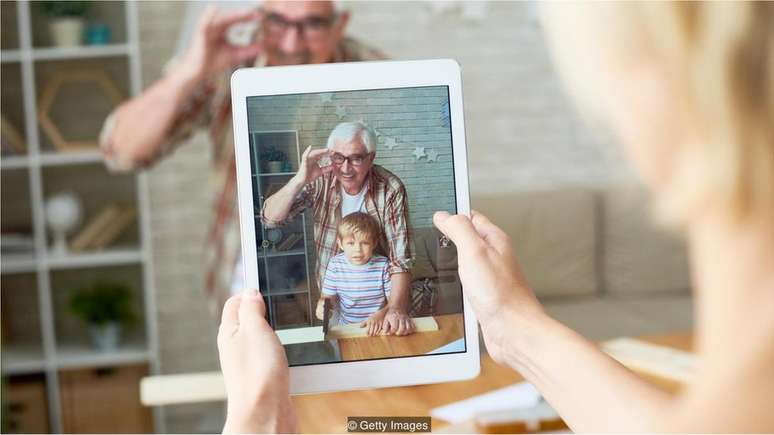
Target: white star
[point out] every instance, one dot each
(341, 111)
(432, 155)
(390, 142)
(419, 152)
(327, 97)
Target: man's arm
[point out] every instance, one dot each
(285, 202)
(139, 129)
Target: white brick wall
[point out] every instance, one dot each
(521, 131)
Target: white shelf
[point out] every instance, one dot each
(299, 251)
(94, 259)
(70, 356)
(69, 158)
(14, 162)
(292, 291)
(277, 174)
(52, 159)
(81, 52)
(18, 263)
(22, 359)
(7, 56)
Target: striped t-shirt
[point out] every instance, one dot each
(361, 289)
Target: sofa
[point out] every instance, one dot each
(594, 257)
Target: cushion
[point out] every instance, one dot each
(637, 256)
(553, 233)
(601, 318)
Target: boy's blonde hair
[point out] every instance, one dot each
(361, 224)
(719, 56)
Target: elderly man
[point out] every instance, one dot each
(194, 93)
(351, 183)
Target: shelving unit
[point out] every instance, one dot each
(39, 275)
(276, 265)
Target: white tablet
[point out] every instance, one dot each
(342, 236)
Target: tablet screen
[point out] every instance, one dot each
(346, 241)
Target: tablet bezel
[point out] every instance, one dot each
(250, 82)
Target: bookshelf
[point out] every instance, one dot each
(41, 337)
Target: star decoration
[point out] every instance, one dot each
(390, 143)
(419, 152)
(327, 97)
(432, 155)
(341, 111)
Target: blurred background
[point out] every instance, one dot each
(102, 277)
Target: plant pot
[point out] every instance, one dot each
(105, 337)
(274, 166)
(66, 31)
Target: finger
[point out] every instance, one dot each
(364, 323)
(208, 15)
(237, 55)
(386, 326)
(460, 230)
(411, 326)
(306, 152)
(401, 330)
(317, 154)
(491, 233)
(251, 310)
(377, 328)
(224, 20)
(371, 327)
(229, 319)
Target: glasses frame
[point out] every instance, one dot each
(299, 25)
(349, 158)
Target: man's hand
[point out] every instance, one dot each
(374, 322)
(210, 52)
(255, 369)
(396, 321)
(490, 275)
(310, 169)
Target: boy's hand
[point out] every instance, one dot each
(255, 369)
(319, 312)
(374, 322)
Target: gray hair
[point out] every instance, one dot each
(348, 131)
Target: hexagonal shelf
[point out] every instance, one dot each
(102, 83)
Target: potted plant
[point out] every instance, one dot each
(105, 307)
(67, 20)
(274, 159)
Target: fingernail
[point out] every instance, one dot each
(251, 293)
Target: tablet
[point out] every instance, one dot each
(340, 168)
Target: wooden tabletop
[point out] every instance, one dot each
(327, 413)
(450, 328)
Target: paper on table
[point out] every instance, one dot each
(520, 395)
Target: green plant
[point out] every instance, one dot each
(102, 303)
(272, 154)
(58, 9)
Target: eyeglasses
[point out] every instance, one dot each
(354, 159)
(314, 27)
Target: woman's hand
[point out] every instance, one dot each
(255, 369)
(490, 275)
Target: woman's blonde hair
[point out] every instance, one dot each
(722, 55)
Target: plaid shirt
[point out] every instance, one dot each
(210, 107)
(385, 200)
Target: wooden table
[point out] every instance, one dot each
(450, 328)
(327, 413)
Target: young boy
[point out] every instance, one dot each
(356, 280)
